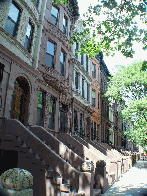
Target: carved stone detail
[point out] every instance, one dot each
(55, 31)
(57, 81)
(4, 9)
(13, 41)
(88, 166)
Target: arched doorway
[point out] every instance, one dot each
(20, 100)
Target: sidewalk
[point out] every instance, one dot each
(132, 183)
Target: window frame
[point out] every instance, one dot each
(83, 92)
(52, 113)
(53, 16)
(63, 64)
(88, 92)
(77, 80)
(40, 121)
(76, 48)
(65, 27)
(93, 98)
(14, 34)
(98, 100)
(53, 56)
(93, 70)
(87, 59)
(30, 40)
(82, 59)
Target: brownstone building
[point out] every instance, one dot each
(42, 84)
(96, 100)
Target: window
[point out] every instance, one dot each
(94, 131)
(65, 22)
(98, 101)
(107, 111)
(52, 109)
(12, 21)
(81, 127)
(40, 108)
(75, 121)
(1, 78)
(37, 3)
(68, 71)
(88, 92)
(29, 37)
(83, 87)
(98, 74)
(76, 80)
(50, 54)
(93, 98)
(86, 62)
(101, 84)
(1, 72)
(82, 59)
(62, 63)
(54, 16)
(93, 70)
(76, 48)
(63, 124)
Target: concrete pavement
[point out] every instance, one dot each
(132, 183)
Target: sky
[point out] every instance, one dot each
(118, 59)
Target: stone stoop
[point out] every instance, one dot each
(96, 192)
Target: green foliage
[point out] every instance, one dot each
(129, 86)
(115, 27)
(58, 2)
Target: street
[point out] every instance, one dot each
(132, 183)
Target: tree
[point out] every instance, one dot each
(129, 87)
(114, 27)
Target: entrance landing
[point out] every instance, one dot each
(132, 183)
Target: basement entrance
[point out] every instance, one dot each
(9, 160)
(20, 100)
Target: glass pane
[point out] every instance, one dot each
(54, 12)
(51, 48)
(13, 13)
(62, 57)
(29, 30)
(40, 99)
(10, 26)
(93, 94)
(62, 69)
(49, 60)
(65, 22)
(38, 116)
(54, 20)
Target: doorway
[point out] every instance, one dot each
(20, 100)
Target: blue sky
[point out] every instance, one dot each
(118, 59)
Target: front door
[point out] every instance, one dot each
(18, 101)
(19, 98)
